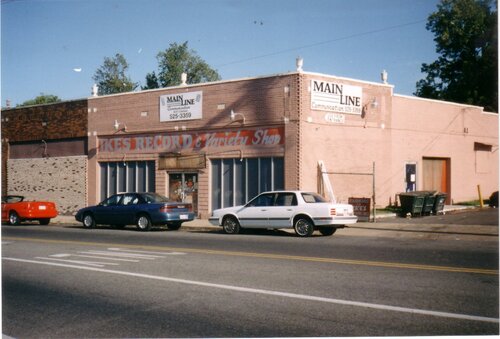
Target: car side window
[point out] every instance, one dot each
(313, 198)
(129, 199)
(261, 200)
(112, 201)
(286, 199)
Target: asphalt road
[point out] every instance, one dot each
(72, 282)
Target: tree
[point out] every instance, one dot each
(174, 61)
(40, 100)
(151, 81)
(111, 76)
(467, 69)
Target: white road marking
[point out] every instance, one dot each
(272, 293)
(147, 252)
(114, 254)
(105, 258)
(124, 255)
(89, 263)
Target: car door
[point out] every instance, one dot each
(283, 209)
(255, 214)
(125, 210)
(106, 212)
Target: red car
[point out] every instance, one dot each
(15, 210)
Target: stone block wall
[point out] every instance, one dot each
(62, 180)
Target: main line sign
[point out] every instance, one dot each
(336, 97)
(181, 106)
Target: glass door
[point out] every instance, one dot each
(183, 187)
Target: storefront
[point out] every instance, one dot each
(185, 165)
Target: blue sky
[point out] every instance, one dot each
(44, 41)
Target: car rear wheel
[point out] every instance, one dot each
(303, 227)
(230, 225)
(174, 226)
(327, 230)
(14, 218)
(88, 221)
(143, 222)
(44, 221)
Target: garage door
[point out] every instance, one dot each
(436, 175)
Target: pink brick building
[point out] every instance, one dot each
(219, 144)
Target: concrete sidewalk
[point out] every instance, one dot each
(387, 225)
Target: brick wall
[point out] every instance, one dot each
(64, 120)
(62, 180)
(52, 121)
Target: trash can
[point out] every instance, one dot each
(439, 203)
(411, 203)
(430, 199)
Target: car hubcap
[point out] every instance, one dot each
(87, 221)
(13, 218)
(143, 222)
(230, 226)
(302, 227)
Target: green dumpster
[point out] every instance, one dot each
(439, 203)
(412, 203)
(430, 199)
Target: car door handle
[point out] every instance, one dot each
(263, 210)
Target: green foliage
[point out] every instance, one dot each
(40, 100)
(174, 61)
(111, 76)
(151, 81)
(467, 69)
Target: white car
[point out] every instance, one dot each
(302, 211)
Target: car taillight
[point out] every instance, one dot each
(333, 212)
(166, 208)
(173, 208)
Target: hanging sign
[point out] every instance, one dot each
(335, 97)
(182, 106)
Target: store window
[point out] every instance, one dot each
(235, 181)
(129, 176)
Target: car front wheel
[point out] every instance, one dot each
(44, 221)
(303, 227)
(143, 223)
(230, 225)
(14, 218)
(88, 221)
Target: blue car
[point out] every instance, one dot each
(144, 210)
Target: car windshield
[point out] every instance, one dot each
(313, 198)
(152, 198)
(12, 199)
